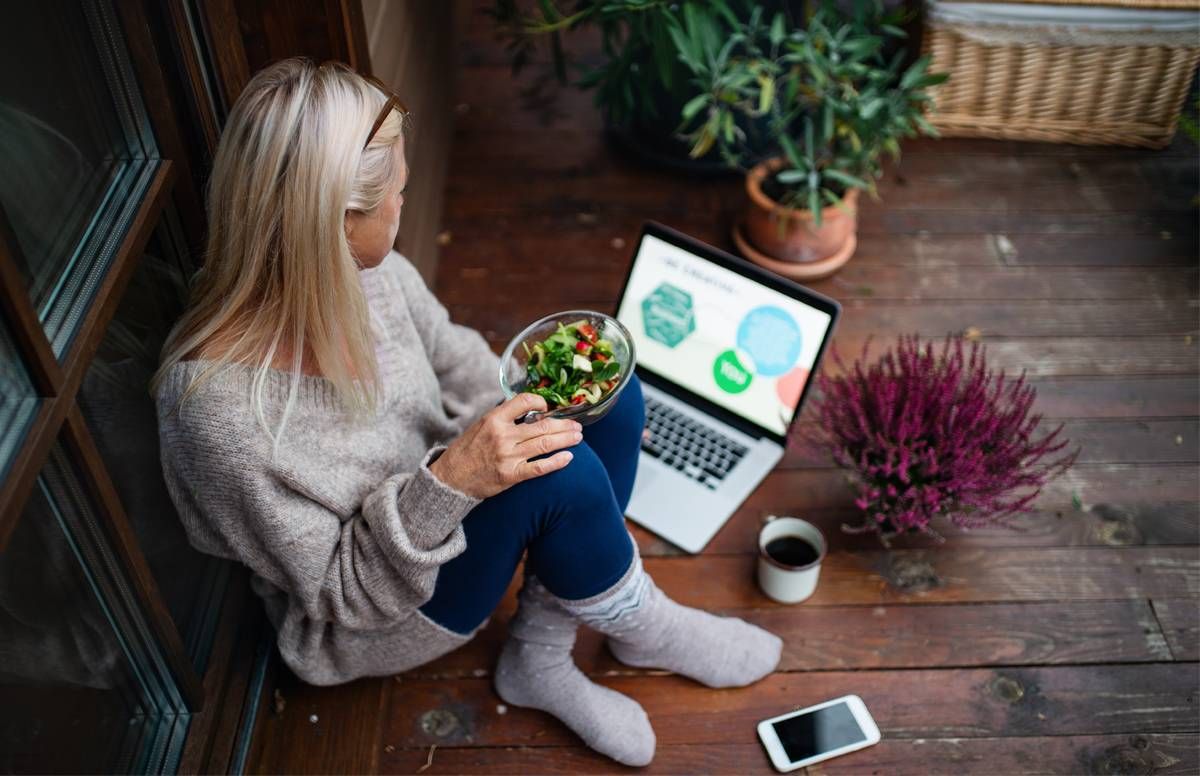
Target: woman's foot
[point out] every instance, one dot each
(536, 670)
(647, 629)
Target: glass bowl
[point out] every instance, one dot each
(513, 375)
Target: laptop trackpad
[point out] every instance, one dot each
(646, 475)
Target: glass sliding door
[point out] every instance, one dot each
(85, 688)
(76, 151)
(107, 614)
(120, 413)
(18, 402)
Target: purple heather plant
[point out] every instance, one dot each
(930, 434)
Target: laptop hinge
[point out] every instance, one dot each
(704, 405)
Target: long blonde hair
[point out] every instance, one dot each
(278, 267)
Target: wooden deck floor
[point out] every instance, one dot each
(1069, 648)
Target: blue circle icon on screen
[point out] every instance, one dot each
(772, 339)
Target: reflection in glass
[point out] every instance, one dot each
(76, 153)
(120, 413)
(82, 689)
(18, 402)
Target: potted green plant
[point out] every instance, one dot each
(642, 80)
(837, 97)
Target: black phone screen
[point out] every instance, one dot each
(816, 732)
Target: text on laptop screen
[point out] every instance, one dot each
(723, 336)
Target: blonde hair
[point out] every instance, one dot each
(278, 266)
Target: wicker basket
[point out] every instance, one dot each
(1060, 83)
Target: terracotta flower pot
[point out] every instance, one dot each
(788, 234)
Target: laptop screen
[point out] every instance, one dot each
(723, 336)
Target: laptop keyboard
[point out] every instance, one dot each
(696, 450)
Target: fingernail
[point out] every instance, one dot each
(578, 436)
(578, 425)
(570, 455)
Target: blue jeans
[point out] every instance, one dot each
(572, 521)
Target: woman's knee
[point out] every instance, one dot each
(584, 480)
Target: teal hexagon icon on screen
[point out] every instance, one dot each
(667, 315)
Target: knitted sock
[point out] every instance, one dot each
(536, 670)
(649, 630)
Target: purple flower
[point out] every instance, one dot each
(928, 434)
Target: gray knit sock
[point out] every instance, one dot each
(536, 669)
(649, 630)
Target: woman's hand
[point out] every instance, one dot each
(493, 453)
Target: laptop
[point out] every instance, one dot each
(724, 352)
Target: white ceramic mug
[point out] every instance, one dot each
(788, 584)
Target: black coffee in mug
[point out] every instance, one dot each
(792, 551)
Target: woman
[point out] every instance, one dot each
(323, 422)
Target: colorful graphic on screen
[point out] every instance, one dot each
(723, 336)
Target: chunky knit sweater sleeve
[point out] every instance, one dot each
(361, 567)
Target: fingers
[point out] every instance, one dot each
(509, 441)
(519, 405)
(547, 443)
(544, 427)
(530, 469)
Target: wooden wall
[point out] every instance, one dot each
(412, 49)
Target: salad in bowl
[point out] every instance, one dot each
(579, 361)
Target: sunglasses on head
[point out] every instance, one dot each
(393, 99)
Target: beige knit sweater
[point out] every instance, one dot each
(345, 529)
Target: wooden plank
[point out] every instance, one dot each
(1180, 622)
(1117, 396)
(1059, 700)
(1119, 505)
(1042, 190)
(1108, 524)
(1082, 355)
(823, 638)
(604, 243)
(808, 489)
(343, 738)
(1137, 753)
(1030, 187)
(863, 317)
(1025, 198)
(652, 198)
(941, 178)
(973, 170)
(928, 576)
(600, 276)
(616, 189)
(1089, 172)
(1100, 441)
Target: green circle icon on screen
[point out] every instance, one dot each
(729, 373)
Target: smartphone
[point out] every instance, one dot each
(817, 733)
